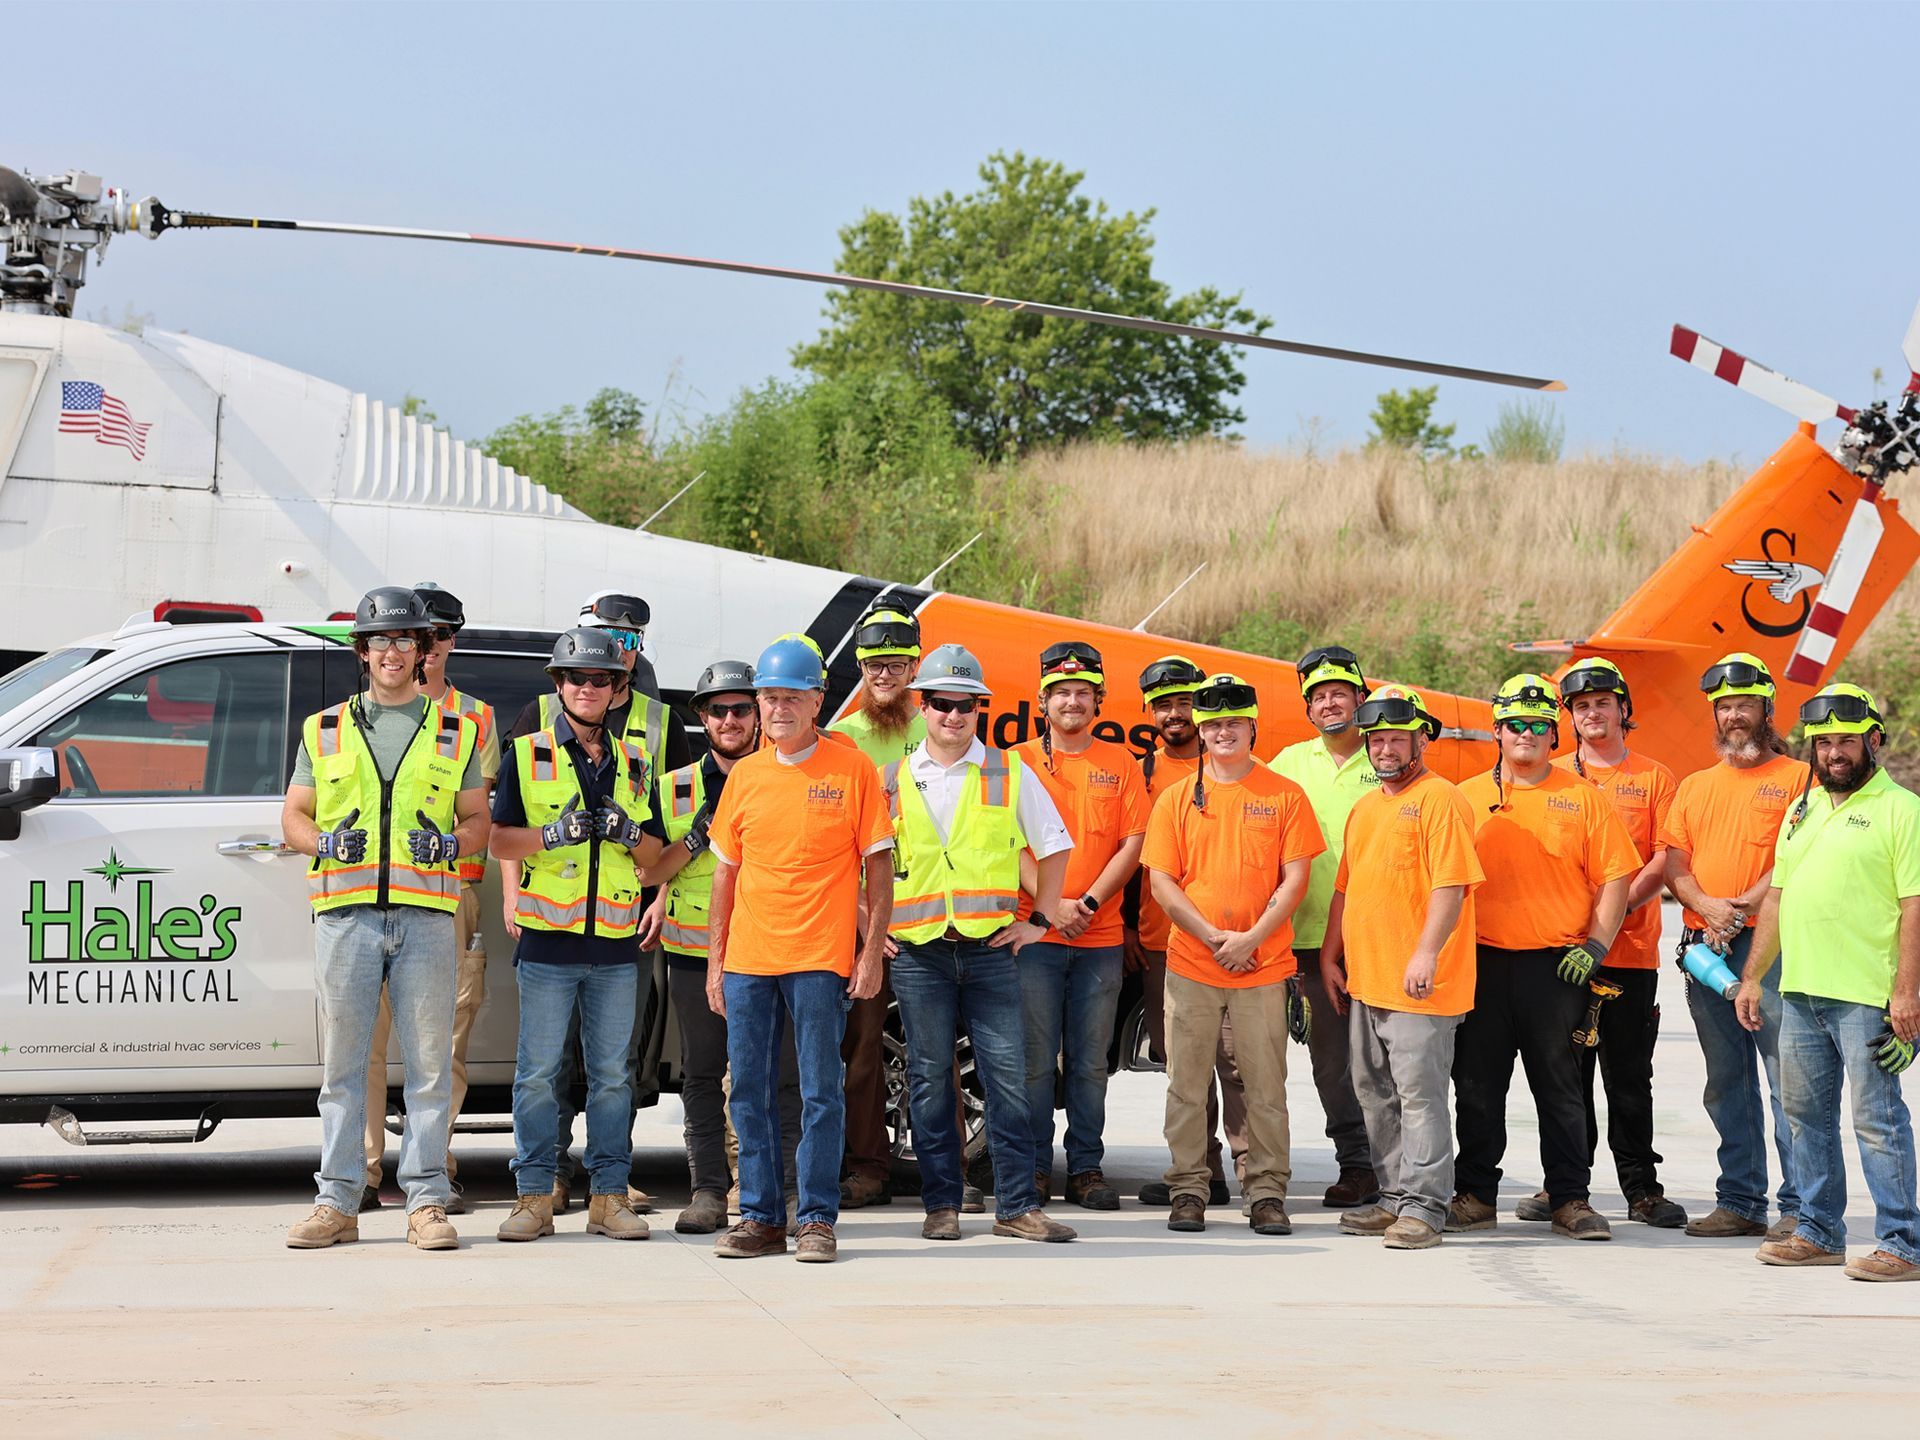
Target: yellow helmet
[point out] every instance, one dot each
(1842, 709)
(806, 640)
(1170, 675)
(1330, 662)
(1526, 697)
(1395, 707)
(883, 630)
(1737, 674)
(1225, 697)
(1595, 675)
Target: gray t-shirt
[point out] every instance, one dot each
(389, 730)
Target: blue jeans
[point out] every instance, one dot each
(548, 994)
(1821, 1042)
(941, 985)
(1732, 1093)
(1068, 997)
(410, 950)
(818, 1002)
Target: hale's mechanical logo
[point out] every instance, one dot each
(141, 952)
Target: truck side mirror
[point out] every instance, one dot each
(28, 777)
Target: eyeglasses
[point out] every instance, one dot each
(1224, 697)
(739, 710)
(587, 679)
(948, 706)
(1847, 709)
(402, 643)
(1734, 672)
(1526, 727)
(895, 668)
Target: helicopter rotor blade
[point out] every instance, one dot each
(163, 219)
(1802, 402)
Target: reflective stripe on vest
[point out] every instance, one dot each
(689, 893)
(971, 881)
(595, 881)
(346, 779)
(471, 868)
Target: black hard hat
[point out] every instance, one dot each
(723, 677)
(584, 648)
(390, 607)
(443, 606)
(624, 612)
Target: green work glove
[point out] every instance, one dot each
(1890, 1052)
(1299, 1011)
(1578, 964)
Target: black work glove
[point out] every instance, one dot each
(574, 827)
(696, 839)
(1299, 1011)
(1890, 1052)
(430, 844)
(343, 843)
(1576, 967)
(610, 822)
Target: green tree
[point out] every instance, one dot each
(1406, 422)
(1014, 380)
(601, 461)
(1527, 430)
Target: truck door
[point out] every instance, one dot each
(164, 930)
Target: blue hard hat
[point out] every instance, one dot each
(789, 665)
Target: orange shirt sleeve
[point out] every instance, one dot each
(1451, 857)
(1610, 851)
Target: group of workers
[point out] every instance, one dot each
(1416, 935)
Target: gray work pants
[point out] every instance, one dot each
(1401, 1067)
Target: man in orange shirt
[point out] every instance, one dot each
(1070, 987)
(1407, 943)
(1595, 696)
(793, 826)
(1558, 862)
(1228, 859)
(1720, 836)
(1166, 689)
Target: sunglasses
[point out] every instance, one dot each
(951, 707)
(625, 639)
(739, 710)
(1848, 709)
(1734, 672)
(1223, 697)
(587, 679)
(895, 668)
(444, 632)
(402, 643)
(1526, 727)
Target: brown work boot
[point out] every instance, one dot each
(1368, 1220)
(1043, 1185)
(733, 1199)
(532, 1217)
(1534, 1207)
(1410, 1232)
(614, 1215)
(1189, 1214)
(1721, 1223)
(941, 1224)
(1470, 1213)
(1034, 1225)
(706, 1212)
(857, 1192)
(1783, 1227)
(1356, 1186)
(973, 1200)
(640, 1200)
(1656, 1210)
(429, 1229)
(1577, 1220)
(1269, 1217)
(562, 1197)
(1090, 1191)
(816, 1244)
(1797, 1250)
(325, 1226)
(1882, 1265)
(749, 1240)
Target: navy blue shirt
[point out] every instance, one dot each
(556, 947)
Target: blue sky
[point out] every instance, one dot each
(1539, 188)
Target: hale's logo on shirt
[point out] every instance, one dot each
(1771, 791)
(1258, 810)
(823, 796)
(1103, 780)
(1860, 822)
(1410, 811)
(1561, 803)
(1629, 792)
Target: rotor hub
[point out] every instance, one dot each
(50, 225)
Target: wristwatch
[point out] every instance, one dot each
(1036, 918)
(1091, 903)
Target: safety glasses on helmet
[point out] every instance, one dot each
(1588, 679)
(1212, 698)
(886, 635)
(1734, 672)
(1337, 655)
(1847, 709)
(1170, 673)
(1393, 710)
(947, 705)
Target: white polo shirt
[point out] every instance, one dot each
(940, 786)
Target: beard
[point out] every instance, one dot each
(891, 716)
(1754, 745)
(1843, 784)
(1396, 770)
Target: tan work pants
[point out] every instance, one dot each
(470, 990)
(1258, 1015)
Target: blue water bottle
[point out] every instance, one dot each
(1707, 966)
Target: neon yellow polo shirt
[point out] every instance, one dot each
(1842, 873)
(1333, 790)
(882, 750)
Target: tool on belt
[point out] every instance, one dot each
(1588, 1035)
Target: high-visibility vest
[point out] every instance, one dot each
(689, 893)
(345, 779)
(472, 869)
(648, 722)
(592, 888)
(971, 879)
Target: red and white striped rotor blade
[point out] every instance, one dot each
(1814, 650)
(1910, 347)
(1802, 402)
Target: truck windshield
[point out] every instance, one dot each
(19, 686)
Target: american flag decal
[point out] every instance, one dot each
(87, 409)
